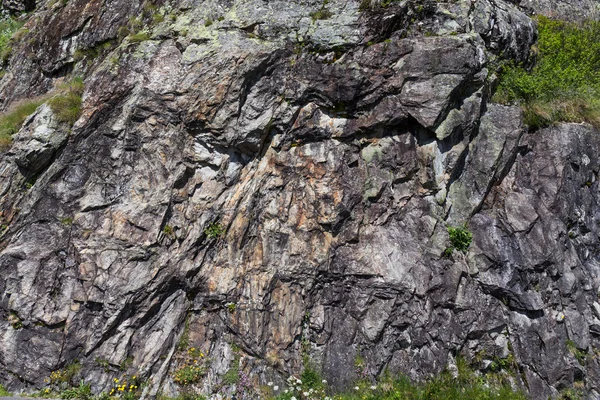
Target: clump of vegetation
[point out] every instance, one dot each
(8, 28)
(322, 13)
(564, 84)
(466, 386)
(192, 369)
(231, 307)
(126, 388)
(169, 232)
(81, 392)
(580, 355)
(67, 221)
(370, 4)
(4, 392)
(139, 37)
(214, 230)
(460, 239)
(66, 105)
(15, 321)
(184, 340)
(12, 120)
(63, 379)
(92, 53)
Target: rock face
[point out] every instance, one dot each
(334, 153)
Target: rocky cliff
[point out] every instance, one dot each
(255, 183)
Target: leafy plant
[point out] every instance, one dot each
(189, 374)
(4, 392)
(82, 392)
(564, 84)
(460, 238)
(214, 230)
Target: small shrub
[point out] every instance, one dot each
(214, 230)
(460, 238)
(66, 105)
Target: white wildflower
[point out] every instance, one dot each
(275, 388)
(356, 388)
(270, 384)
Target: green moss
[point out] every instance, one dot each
(4, 392)
(139, 37)
(564, 84)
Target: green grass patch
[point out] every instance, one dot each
(564, 84)
(139, 37)
(8, 28)
(12, 120)
(466, 386)
(66, 105)
(4, 392)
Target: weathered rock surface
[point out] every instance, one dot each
(335, 152)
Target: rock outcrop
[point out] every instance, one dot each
(267, 180)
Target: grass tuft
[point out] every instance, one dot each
(66, 105)
(8, 33)
(12, 120)
(564, 84)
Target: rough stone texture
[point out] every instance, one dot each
(335, 153)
